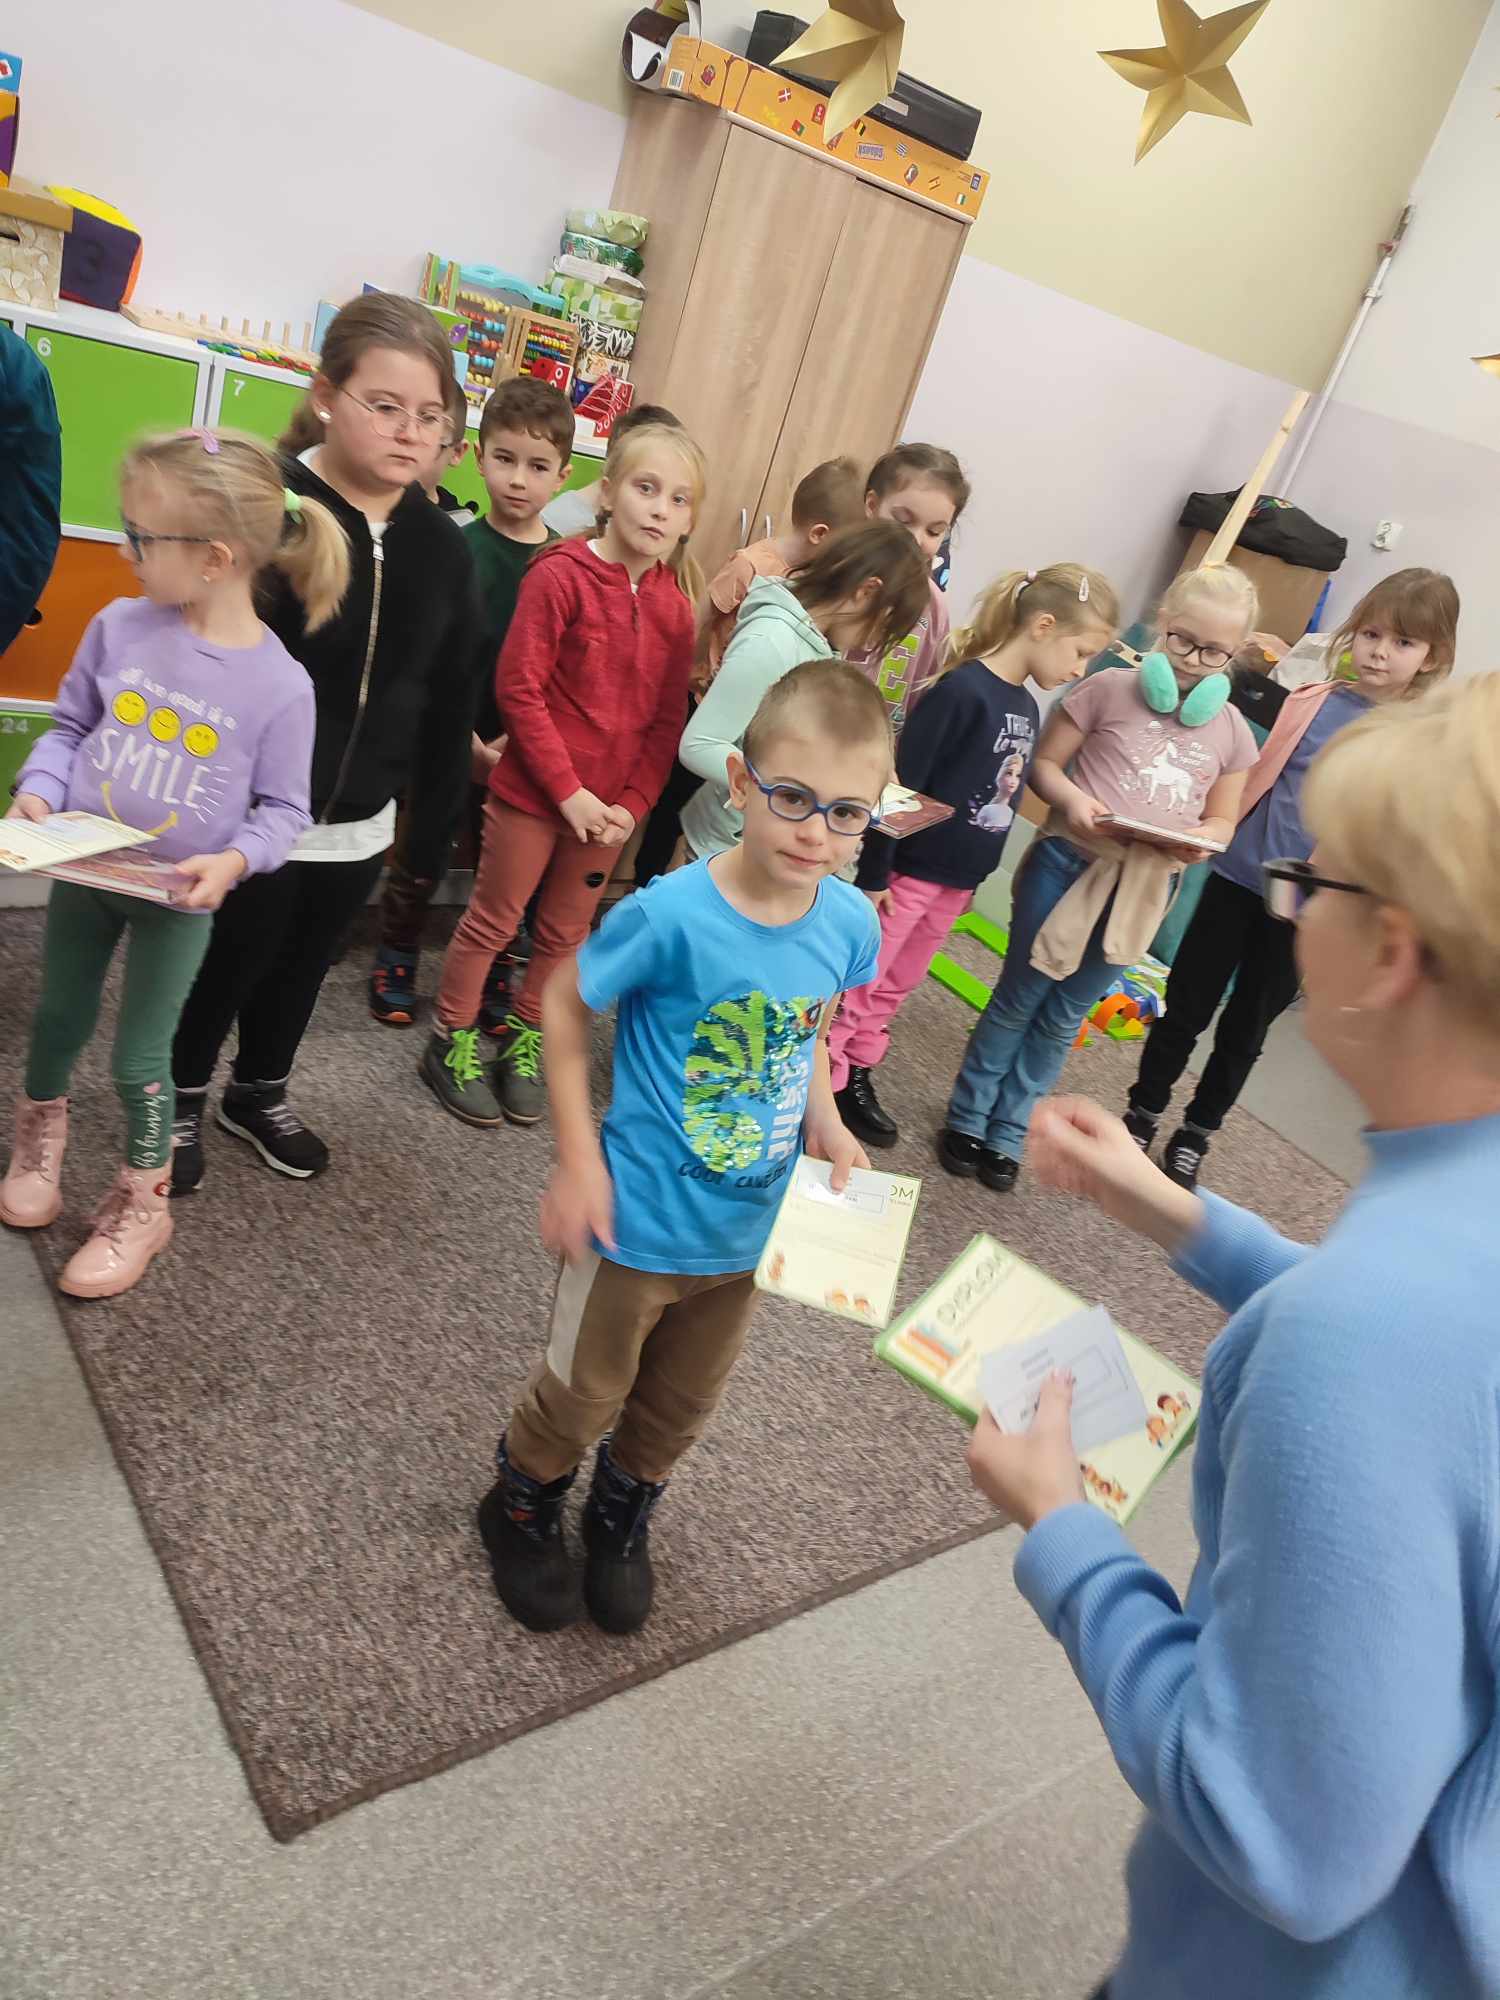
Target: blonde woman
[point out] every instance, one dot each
(1315, 1734)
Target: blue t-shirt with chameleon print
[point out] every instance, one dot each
(714, 1045)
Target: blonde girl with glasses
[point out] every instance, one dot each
(184, 718)
(396, 674)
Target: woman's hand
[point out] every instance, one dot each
(1077, 1147)
(214, 875)
(1031, 1476)
(27, 805)
(578, 1207)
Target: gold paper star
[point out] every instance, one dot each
(1191, 72)
(1490, 363)
(856, 44)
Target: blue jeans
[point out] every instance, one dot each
(1022, 1038)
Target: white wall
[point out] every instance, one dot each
(277, 153)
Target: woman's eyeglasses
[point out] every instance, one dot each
(848, 817)
(137, 540)
(1290, 884)
(1185, 646)
(388, 420)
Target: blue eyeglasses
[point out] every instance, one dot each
(846, 817)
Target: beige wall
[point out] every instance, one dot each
(1250, 244)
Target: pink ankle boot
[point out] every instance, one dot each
(131, 1226)
(31, 1196)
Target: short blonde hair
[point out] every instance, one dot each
(829, 696)
(232, 488)
(1432, 847)
(1214, 583)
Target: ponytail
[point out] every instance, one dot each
(1080, 600)
(313, 556)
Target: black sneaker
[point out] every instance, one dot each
(863, 1112)
(520, 1521)
(261, 1114)
(618, 1581)
(520, 1079)
(960, 1153)
(187, 1142)
(456, 1074)
(1142, 1128)
(1182, 1157)
(998, 1170)
(393, 987)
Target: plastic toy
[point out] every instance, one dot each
(605, 404)
(221, 338)
(102, 253)
(10, 115)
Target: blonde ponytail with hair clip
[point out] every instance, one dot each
(1080, 600)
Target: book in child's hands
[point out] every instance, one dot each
(904, 812)
(990, 1299)
(842, 1251)
(1156, 836)
(125, 875)
(30, 844)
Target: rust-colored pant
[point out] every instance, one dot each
(639, 1352)
(520, 851)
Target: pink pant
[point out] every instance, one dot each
(913, 925)
(519, 851)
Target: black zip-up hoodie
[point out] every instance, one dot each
(396, 671)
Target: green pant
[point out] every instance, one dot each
(166, 948)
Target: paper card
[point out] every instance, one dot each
(1156, 836)
(62, 836)
(1107, 1401)
(841, 1252)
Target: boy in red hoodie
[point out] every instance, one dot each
(592, 684)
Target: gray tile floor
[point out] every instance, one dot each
(901, 1794)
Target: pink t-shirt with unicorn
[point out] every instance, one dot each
(1147, 766)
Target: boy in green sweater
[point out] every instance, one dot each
(525, 450)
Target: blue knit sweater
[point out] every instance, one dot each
(1316, 1736)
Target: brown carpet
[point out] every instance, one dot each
(305, 1391)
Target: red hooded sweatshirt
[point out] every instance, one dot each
(592, 683)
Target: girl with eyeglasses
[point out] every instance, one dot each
(183, 718)
(396, 674)
(1312, 1725)
(1398, 642)
(862, 589)
(1143, 767)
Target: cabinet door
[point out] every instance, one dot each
(85, 577)
(773, 225)
(107, 396)
(256, 404)
(885, 289)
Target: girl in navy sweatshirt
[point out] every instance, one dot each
(968, 743)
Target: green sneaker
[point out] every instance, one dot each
(452, 1070)
(519, 1074)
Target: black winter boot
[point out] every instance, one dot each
(520, 1519)
(863, 1112)
(617, 1579)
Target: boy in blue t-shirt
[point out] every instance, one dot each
(726, 975)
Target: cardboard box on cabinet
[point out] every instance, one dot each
(32, 227)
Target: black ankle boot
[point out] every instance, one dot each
(863, 1112)
(536, 1578)
(617, 1580)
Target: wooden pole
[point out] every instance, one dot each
(1218, 549)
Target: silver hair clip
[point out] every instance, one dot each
(1083, 590)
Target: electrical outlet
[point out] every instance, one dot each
(1387, 534)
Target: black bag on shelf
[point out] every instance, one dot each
(928, 114)
(1275, 528)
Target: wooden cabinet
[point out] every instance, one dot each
(790, 306)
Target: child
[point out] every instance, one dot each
(184, 717)
(1403, 636)
(861, 587)
(1156, 743)
(394, 678)
(969, 745)
(525, 448)
(922, 487)
(726, 975)
(577, 512)
(828, 499)
(592, 684)
(449, 454)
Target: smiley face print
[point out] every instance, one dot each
(129, 707)
(200, 739)
(165, 724)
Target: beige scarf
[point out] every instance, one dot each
(1137, 875)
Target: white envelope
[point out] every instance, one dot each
(1107, 1401)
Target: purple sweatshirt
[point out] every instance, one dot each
(207, 747)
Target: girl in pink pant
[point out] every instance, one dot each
(968, 743)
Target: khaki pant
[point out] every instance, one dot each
(639, 1352)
